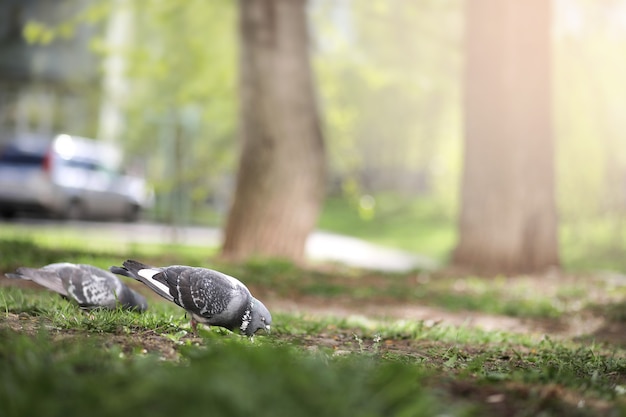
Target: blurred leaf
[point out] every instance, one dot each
(35, 32)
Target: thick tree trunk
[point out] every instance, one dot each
(508, 221)
(281, 177)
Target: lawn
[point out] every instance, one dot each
(425, 226)
(417, 225)
(344, 343)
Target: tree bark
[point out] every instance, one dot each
(508, 221)
(281, 178)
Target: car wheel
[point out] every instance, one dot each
(8, 213)
(132, 213)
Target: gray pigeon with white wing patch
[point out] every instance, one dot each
(209, 296)
(89, 286)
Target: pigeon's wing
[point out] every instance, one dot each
(204, 292)
(132, 300)
(105, 276)
(126, 297)
(89, 287)
(46, 278)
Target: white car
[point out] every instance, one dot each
(68, 177)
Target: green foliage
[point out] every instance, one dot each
(43, 33)
(182, 67)
(589, 92)
(378, 85)
(178, 69)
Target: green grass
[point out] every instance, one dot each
(226, 377)
(40, 248)
(102, 362)
(517, 297)
(592, 244)
(420, 224)
(417, 225)
(425, 226)
(58, 313)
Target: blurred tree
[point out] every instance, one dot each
(180, 108)
(508, 218)
(281, 176)
(378, 85)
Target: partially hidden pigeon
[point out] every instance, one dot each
(209, 296)
(89, 286)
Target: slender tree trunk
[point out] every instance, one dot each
(281, 177)
(508, 221)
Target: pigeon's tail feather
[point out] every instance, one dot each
(121, 271)
(47, 279)
(145, 274)
(135, 266)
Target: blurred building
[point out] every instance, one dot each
(53, 87)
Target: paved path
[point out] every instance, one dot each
(321, 246)
(355, 252)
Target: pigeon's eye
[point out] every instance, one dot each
(263, 319)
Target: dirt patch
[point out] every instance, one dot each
(23, 323)
(574, 325)
(142, 342)
(581, 325)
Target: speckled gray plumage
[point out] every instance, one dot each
(210, 296)
(87, 285)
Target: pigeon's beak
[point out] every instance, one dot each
(267, 328)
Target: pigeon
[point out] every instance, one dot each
(89, 286)
(209, 296)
